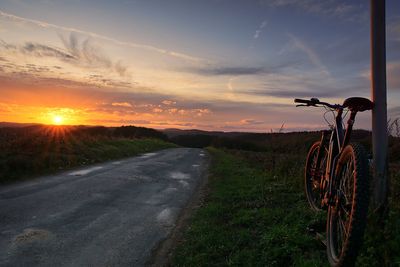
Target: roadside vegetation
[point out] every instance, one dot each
(256, 214)
(30, 151)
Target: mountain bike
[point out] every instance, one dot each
(337, 180)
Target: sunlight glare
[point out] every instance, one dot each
(57, 120)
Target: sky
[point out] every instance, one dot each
(220, 65)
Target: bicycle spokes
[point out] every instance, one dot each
(343, 205)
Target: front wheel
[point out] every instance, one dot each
(347, 216)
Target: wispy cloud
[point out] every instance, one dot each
(102, 37)
(393, 28)
(393, 74)
(341, 9)
(83, 53)
(41, 50)
(250, 122)
(260, 29)
(311, 54)
(296, 93)
(86, 51)
(232, 71)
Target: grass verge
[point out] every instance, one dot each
(251, 218)
(57, 154)
(256, 215)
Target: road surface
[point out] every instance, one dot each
(110, 214)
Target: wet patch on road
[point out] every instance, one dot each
(166, 217)
(85, 171)
(179, 175)
(184, 184)
(170, 190)
(148, 155)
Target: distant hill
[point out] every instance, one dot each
(4, 124)
(172, 132)
(15, 130)
(251, 141)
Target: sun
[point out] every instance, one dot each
(57, 120)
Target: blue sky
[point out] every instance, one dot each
(214, 65)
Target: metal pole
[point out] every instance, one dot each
(379, 113)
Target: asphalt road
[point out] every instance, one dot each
(110, 214)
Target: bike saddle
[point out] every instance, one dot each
(358, 104)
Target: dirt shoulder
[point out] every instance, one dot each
(162, 254)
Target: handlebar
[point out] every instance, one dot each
(315, 102)
(304, 101)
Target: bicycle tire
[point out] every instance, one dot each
(312, 177)
(348, 215)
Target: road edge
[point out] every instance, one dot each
(162, 253)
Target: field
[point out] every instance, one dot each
(35, 150)
(256, 213)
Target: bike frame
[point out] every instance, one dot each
(338, 140)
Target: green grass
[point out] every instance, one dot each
(256, 215)
(251, 218)
(382, 239)
(50, 156)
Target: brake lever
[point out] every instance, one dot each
(302, 105)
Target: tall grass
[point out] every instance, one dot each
(31, 151)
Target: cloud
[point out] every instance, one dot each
(296, 83)
(121, 104)
(339, 9)
(120, 68)
(168, 102)
(296, 93)
(102, 37)
(311, 54)
(198, 112)
(86, 52)
(98, 104)
(250, 122)
(83, 53)
(111, 109)
(221, 71)
(40, 50)
(393, 24)
(260, 29)
(393, 75)
(157, 110)
(394, 112)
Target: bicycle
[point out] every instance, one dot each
(337, 180)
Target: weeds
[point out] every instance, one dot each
(32, 151)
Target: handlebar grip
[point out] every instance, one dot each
(304, 101)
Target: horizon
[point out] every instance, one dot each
(270, 131)
(210, 65)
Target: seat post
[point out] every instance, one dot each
(349, 128)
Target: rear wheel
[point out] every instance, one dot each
(348, 214)
(314, 173)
